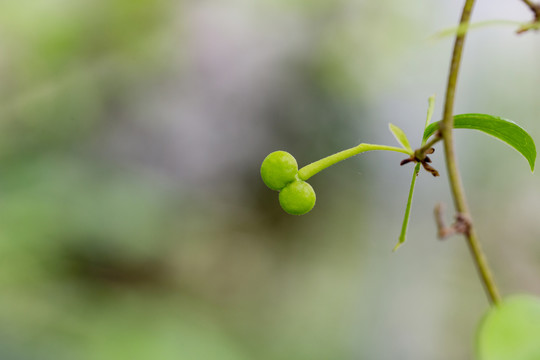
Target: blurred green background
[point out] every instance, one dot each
(134, 224)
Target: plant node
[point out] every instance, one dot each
(420, 156)
(462, 224)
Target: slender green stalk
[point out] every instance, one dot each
(454, 177)
(431, 108)
(309, 170)
(404, 226)
(462, 29)
(421, 153)
(407, 215)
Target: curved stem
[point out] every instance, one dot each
(309, 170)
(451, 161)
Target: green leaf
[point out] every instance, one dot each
(400, 137)
(502, 129)
(510, 330)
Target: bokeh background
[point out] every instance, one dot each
(134, 224)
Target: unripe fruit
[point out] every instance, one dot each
(510, 330)
(278, 169)
(297, 198)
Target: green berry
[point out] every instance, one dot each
(278, 169)
(297, 198)
(511, 330)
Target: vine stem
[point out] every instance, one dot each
(456, 185)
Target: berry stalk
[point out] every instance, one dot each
(309, 170)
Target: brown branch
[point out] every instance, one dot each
(535, 8)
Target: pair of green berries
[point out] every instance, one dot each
(279, 171)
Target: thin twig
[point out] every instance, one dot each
(443, 231)
(535, 8)
(454, 177)
(462, 225)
